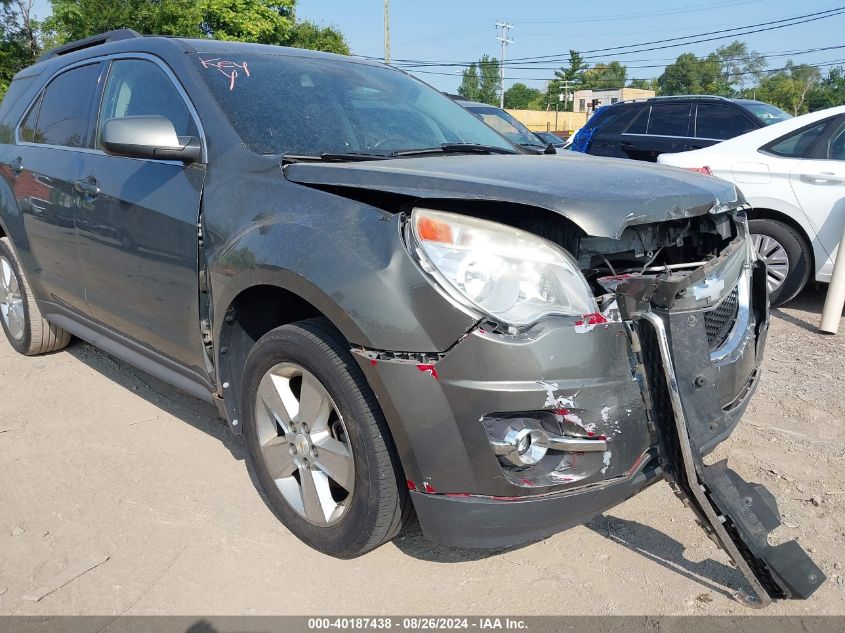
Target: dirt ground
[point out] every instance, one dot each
(98, 459)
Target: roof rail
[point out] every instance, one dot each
(88, 42)
(670, 97)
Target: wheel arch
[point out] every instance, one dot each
(249, 315)
(766, 213)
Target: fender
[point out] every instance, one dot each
(352, 266)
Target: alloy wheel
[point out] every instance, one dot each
(304, 444)
(777, 260)
(11, 300)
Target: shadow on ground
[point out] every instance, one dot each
(669, 553)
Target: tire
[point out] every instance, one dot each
(368, 505)
(773, 233)
(26, 329)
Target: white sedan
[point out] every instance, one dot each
(793, 174)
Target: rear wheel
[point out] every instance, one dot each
(319, 443)
(27, 331)
(787, 257)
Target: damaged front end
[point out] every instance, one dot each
(537, 420)
(698, 335)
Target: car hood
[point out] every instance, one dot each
(603, 196)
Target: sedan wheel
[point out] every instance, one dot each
(11, 301)
(304, 444)
(777, 259)
(788, 257)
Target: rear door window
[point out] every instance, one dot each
(640, 122)
(720, 122)
(669, 119)
(62, 110)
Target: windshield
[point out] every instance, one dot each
(287, 104)
(767, 114)
(506, 125)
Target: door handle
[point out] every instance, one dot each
(626, 145)
(824, 178)
(88, 188)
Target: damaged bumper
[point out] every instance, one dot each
(698, 378)
(511, 436)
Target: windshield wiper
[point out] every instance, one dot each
(454, 148)
(332, 157)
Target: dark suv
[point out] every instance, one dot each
(644, 129)
(395, 306)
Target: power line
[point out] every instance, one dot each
(620, 50)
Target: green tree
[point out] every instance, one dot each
(261, 21)
(740, 65)
(645, 84)
(520, 96)
(829, 92)
(568, 78)
(604, 77)
(490, 80)
(692, 75)
(319, 38)
(480, 81)
(18, 40)
(470, 87)
(790, 88)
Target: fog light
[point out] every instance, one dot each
(525, 447)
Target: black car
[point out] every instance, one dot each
(551, 139)
(397, 308)
(504, 123)
(644, 129)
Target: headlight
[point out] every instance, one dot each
(508, 274)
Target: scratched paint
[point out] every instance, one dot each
(553, 401)
(429, 369)
(606, 460)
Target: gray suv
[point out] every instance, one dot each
(396, 307)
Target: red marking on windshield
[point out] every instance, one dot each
(227, 67)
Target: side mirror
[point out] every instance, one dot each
(149, 137)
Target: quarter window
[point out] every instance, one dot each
(798, 144)
(720, 122)
(137, 87)
(60, 117)
(836, 144)
(669, 119)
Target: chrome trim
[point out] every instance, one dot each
(689, 466)
(108, 59)
(743, 318)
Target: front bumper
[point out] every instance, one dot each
(660, 387)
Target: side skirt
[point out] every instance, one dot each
(129, 351)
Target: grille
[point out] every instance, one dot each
(719, 321)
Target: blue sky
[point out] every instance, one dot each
(463, 30)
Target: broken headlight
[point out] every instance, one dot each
(513, 276)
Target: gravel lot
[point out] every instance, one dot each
(98, 459)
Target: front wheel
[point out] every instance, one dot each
(787, 257)
(319, 443)
(28, 332)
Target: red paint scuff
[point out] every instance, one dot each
(373, 362)
(427, 487)
(411, 485)
(430, 369)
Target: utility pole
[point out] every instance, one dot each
(386, 31)
(505, 40)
